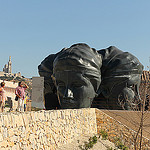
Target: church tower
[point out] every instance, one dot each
(9, 65)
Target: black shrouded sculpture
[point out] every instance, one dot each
(79, 76)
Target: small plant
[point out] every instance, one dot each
(110, 148)
(80, 146)
(122, 146)
(93, 139)
(88, 145)
(104, 134)
(119, 144)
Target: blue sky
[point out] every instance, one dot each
(30, 30)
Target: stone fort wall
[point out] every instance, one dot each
(45, 130)
(48, 130)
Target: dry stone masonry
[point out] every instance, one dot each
(45, 130)
(48, 130)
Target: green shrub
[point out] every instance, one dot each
(119, 144)
(88, 145)
(110, 148)
(104, 134)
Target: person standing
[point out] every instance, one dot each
(2, 96)
(20, 93)
(25, 103)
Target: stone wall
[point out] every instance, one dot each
(48, 130)
(116, 129)
(45, 130)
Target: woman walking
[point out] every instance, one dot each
(2, 96)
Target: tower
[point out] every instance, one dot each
(5, 69)
(9, 65)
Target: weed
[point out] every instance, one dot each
(119, 144)
(110, 148)
(80, 146)
(104, 134)
(88, 145)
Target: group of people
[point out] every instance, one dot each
(20, 94)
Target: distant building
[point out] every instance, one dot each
(7, 70)
(10, 93)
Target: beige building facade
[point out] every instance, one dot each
(10, 93)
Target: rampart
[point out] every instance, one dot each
(45, 130)
(48, 130)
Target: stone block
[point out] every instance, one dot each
(2, 148)
(46, 114)
(9, 115)
(41, 115)
(31, 138)
(11, 132)
(1, 119)
(5, 133)
(32, 114)
(5, 121)
(1, 137)
(26, 118)
(58, 114)
(11, 144)
(3, 144)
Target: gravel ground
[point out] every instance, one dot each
(131, 119)
(76, 143)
